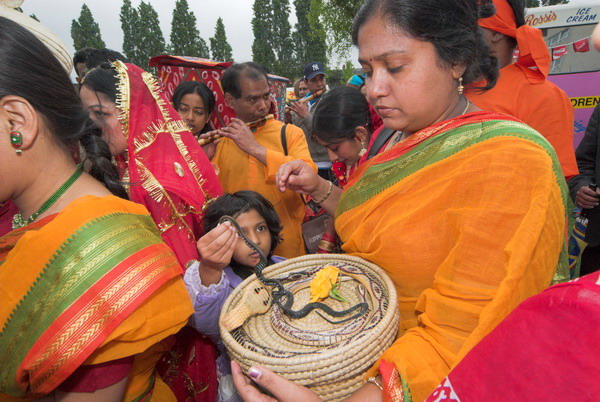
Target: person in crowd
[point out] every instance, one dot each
(586, 197)
(226, 261)
(523, 90)
(194, 102)
(158, 156)
(248, 159)
(448, 212)
(99, 56)
(300, 88)
(88, 290)
(302, 113)
(79, 59)
(357, 81)
(342, 125)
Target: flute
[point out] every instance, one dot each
(251, 125)
(314, 96)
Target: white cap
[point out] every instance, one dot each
(52, 41)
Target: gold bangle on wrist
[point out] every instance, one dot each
(327, 194)
(375, 381)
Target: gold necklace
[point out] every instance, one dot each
(468, 104)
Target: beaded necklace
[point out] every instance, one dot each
(19, 222)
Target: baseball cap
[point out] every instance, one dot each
(313, 68)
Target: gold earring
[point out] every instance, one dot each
(363, 150)
(461, 89)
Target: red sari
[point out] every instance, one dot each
(167, 170)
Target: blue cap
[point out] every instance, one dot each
(312, 69)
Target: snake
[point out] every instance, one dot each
(283, 297)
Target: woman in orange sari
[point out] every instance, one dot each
(89, 293)
(466, 211)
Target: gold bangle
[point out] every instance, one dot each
(374, 380)
(326, 195)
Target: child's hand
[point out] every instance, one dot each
(216, 249)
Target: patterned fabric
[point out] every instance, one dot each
(168, 171)
(72, 287)
(462, 230)
(546, 349)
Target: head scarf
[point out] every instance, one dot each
(53, 42)
(534, 57)
(164, 158)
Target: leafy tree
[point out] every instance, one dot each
(150, 39)
(130, 21)
(337, 17)
(262, 27)
(219, 46)
(282, 39)
(185, 37)
(85, 31)
(538, 3)
(309, 36)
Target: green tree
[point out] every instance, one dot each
(185, 37)
(262, 28)
(219, 46)
(85, 31)
(336, 17)
(149, 37)
(282, 40)
(538, 3)
(309, 37)
(130, 21)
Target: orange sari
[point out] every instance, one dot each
(87, 286)
(464, 231)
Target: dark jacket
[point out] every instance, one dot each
(588, 162)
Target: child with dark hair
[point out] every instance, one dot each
(226, 261)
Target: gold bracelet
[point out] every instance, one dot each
(374, 380)
(326, 195)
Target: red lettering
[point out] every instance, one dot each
(531, 20)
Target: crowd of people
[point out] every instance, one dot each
(446, 164)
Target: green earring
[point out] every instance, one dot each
(16, 140)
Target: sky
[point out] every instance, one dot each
(237, 16)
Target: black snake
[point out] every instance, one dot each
(283, 297)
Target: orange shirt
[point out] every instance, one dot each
(544, 107)
(240, 171)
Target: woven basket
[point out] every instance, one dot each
(331, 359)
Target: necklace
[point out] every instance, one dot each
(467, 107)
(19, 222)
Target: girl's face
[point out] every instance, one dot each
(104, 111)
(193, 111)
(255, 228)
(347, 151)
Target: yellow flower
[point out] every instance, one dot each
(322, 283)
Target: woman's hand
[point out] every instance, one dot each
(282, 389)
(587, 198)
(216, 249)
(297, 176)
(211, 148)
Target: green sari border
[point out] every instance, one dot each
(379, 177)
(81, 260)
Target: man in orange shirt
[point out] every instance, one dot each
(249, 159)
(522, 89)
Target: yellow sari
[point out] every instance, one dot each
(92, 284)
(468, 218)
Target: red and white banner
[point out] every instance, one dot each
(582, 45)
(558, 52)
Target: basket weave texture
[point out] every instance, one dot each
(329, 358)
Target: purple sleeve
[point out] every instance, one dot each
(208, 301)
